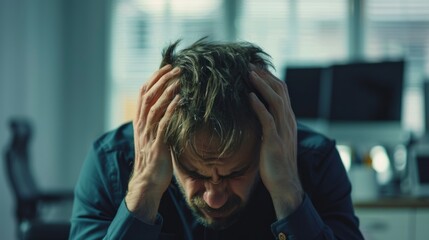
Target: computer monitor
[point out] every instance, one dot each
(350, 102)
(366, 102)
(304, 85)
(367, 92)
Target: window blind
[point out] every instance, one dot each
(400, 29)
(140, 30)
(296, 31)
(293, 32)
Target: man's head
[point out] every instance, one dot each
(214, 88)
(214, 133)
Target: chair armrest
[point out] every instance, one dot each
(47, 231)
(55, 196)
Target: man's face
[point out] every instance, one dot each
(217, 188)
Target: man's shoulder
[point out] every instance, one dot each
(311, 141)
(107, 167)
(118, 139)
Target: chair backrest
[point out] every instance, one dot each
(426, 105)
(19, 170)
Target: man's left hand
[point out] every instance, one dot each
(278, 153)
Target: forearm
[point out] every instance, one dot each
(286, 202)
(126, 225)
(142, 203)
(123, 226)
(99, 209)
(326, 211)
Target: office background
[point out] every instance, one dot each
(74, 67)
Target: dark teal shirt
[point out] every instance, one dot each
(99, 210)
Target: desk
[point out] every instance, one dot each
(395, 203)
(394, 218)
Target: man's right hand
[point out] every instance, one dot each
(153, 169)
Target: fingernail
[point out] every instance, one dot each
(176, 70)
(166, 66)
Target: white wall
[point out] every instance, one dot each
(53, 69)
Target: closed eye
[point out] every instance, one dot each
(195, 175)
(198, 176)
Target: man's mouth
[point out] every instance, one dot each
(218, 213)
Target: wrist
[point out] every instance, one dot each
(143, 204)
(286, 203)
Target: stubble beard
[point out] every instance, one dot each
(232, 209)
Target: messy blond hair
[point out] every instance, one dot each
(214, 88)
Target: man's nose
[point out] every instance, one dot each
(215, 195)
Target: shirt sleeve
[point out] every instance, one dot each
(126, 226)
(303, 223)
(326, 211)
(96, 213)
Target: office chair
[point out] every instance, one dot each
(29, 200)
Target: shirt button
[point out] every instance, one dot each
(282, 236)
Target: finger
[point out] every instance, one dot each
(272, 98)
(276, 84)
(159, 108)
(162, 80)
(279, 105)
(139, 102)
(162, 127)
(151, 95)
(280, 87)
(265, 118)
(157, 75)
(143, 89)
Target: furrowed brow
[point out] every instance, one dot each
(191, 173)
(233, 174)
(239, 172)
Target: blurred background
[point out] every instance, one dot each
(73, 69)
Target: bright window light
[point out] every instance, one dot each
(381, 164)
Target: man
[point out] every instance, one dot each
(214, 152)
